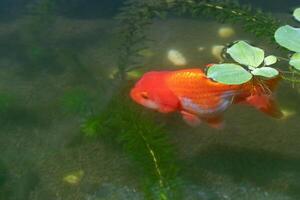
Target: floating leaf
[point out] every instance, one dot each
(267, 72)
(295, 61)
(270, 60)
(297, 14)
(231, 74)
(288, 37)
(246, 54)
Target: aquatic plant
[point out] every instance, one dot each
(289, 38)
(251, 62)
(252, 57)
(77, 101)
(135, 16)
(144, 140)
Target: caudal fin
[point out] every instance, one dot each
(262, 97)
(266, 104)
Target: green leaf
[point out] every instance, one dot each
(297, 14)
(267, 72)
(270, 60)
(246, 54)
(230, 73)
(288, 37)
(295, 61)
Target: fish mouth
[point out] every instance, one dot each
(134, 95)
(150, 104)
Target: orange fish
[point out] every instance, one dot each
(198, 98)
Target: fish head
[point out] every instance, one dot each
(152, 92)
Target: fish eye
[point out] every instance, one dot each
(144, 95)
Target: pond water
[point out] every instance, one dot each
(70, 131)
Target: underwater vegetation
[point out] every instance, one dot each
(140, 136)
(77, 101)
(288, 37)
(145, 141)
(135, 16)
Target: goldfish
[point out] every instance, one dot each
(200, 99)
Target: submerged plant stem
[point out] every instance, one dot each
(293, 80)
(154, 159)
(144, 141)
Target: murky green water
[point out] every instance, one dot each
(58, 89)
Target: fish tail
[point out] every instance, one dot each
(262, 97)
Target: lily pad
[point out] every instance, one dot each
(296, 14)
(267, 72)
(231, 74)
(288, 37)
(295, 61)
(246, 54)
(270, 60)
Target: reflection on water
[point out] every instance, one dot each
(58, 77)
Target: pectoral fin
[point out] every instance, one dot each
(190, 119)
(216, 122)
